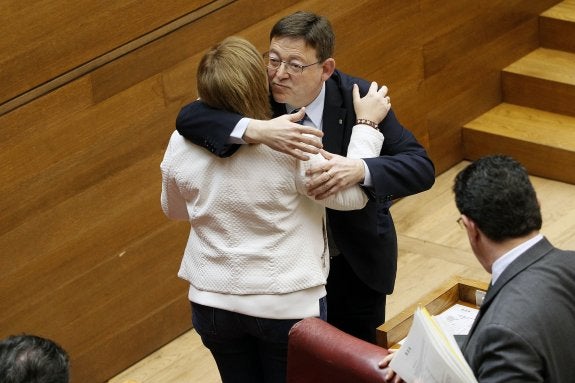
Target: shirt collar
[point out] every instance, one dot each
(313, 111)
(505, 260)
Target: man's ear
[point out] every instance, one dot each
(467, 222)
(471, 227)
(328, 66)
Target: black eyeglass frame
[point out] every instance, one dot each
(460, 222)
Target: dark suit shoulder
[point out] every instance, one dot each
(208, 127)
(345, 81)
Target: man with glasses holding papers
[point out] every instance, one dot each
(525, 328)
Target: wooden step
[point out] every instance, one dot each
(557, 27)
(544, 142)
(543, 79)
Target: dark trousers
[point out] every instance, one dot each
(353, 306)
(246, 349)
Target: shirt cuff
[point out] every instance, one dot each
(238, 132)
(367, 179)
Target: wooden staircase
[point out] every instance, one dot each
(536, 121)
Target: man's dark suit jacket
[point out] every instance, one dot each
(365, 237)
(525, 329)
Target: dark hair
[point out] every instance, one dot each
(496, 193)
(32, 359)
(314, 29)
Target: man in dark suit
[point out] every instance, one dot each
(363, 243)
(525, 328)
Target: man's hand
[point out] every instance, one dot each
(334, 175)
(374, 105)
(390, 375)
(285, 135)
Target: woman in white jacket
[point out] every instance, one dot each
(257, 256)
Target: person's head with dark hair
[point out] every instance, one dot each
(524, 329)
(314, 29)
(496, 200)
(299, 60)
(32, 359)
(496, 193)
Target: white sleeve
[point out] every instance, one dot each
(352, 198)
(365, 142)
(173, 203)
(238, 132)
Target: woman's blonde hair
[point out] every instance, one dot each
(231, 76)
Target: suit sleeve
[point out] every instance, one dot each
(208, 127)
(403, 167)
(507, 357)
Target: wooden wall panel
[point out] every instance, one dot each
(377, 55)
(446, 120)
(470, 85)
(42, 39)
(86, 255)
(179, 45)
(159, 328)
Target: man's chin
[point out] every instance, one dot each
(279, 98)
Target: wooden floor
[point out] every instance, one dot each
(432, 250)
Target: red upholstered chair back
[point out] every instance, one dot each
(319, 352)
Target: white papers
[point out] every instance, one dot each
(457, 319)
(430, 354)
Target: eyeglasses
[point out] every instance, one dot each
(274, 63)
(460, 222)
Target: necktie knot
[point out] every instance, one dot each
(304, 116)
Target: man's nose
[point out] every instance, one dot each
(282, 70)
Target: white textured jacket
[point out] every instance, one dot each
(254, 230)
